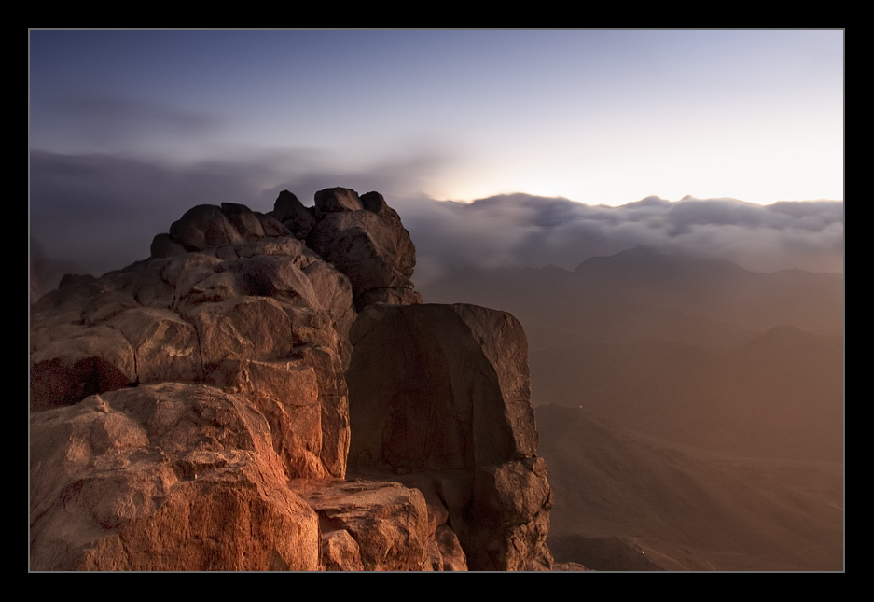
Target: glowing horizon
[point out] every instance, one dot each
(129, 128)
(596, 116)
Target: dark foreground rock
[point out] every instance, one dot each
(442, 393)
(192, 410)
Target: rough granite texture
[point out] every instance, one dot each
(200, 409)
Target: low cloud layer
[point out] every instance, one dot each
(534, 231)
(101, 212)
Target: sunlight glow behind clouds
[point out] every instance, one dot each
(594, 116)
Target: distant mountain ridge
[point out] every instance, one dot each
(669, 343)
(654, 260)
(653, 286)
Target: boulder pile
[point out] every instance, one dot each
(268, 392)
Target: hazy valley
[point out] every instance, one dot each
(686, 407)
(690, 411)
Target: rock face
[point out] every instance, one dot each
(269, 307)
(192, 411)
(164, 477)
(363, 523)
(443, 392)
(365, 239)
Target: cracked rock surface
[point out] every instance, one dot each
(195, 410)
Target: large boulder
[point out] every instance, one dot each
(208, 226)
(510, 509)
(447, 497)
(443, 392)
(386, 525)
(439, 387)
(364, 239)
(163, 477)
(330, 200)
(289, 211)
(205, 226)
(248, 327)
(244, 220)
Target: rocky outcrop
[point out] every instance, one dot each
(219, 314)
(166, 476)
(363, 522)
(442, 392)
(364, 238)
(193, 410)
(291, 213)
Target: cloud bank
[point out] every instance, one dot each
(525, 230)
(101, 211)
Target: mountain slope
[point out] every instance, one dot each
(680, 508)
(696, 350)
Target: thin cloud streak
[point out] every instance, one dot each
(117, 124)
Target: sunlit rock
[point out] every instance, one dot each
(191, 411)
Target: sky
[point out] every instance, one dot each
(128, 129)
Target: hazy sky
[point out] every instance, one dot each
(128, 129)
